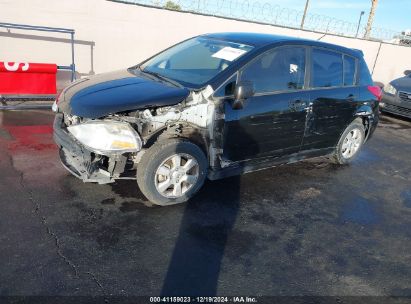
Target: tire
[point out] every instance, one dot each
(341, 155)
(164, 179)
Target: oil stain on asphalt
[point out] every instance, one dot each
(406, 196)
(360, 211)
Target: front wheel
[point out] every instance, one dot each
(350, 143)
(171, 172)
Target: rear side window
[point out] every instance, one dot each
(281, 69)
(365, 77)
(349, 71)
(327, 69)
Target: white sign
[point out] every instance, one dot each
(229, 53)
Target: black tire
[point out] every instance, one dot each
(338, 156)
(154, 157)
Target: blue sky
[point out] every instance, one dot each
(390, 14)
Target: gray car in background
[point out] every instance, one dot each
(397, 96)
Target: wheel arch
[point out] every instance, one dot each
(184, 131)
(365, 114)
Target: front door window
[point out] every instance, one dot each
(279, 70)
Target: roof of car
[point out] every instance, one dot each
(261, 40)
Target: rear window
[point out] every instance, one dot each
(365, 77)
(349, 70)
(327, 69)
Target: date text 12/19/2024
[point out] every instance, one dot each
(203, 300)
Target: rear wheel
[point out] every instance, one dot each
(350, 143)
(171, 172)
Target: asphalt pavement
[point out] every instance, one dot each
(310, 228)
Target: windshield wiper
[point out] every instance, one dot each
(159, 76)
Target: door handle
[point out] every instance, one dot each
(351, 97)
(308, 106)
(298, 105)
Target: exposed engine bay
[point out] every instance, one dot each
(195, 118)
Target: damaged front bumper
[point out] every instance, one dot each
(83, 163)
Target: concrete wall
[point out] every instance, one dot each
(112, 35)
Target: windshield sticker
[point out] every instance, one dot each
(229, 53)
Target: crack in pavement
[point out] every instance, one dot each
(44, 222)
(49, 231)
(93, 276)
(37, 209)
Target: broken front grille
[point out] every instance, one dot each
(405, 96)
(397, 109)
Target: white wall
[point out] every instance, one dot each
(112, 35)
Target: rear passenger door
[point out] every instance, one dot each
(333, 97)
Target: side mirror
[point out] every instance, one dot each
(407, 72)
(242, 91)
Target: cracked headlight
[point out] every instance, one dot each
(107, 136)
(390, 89)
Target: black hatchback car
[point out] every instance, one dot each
(397, 96)
(214, 106)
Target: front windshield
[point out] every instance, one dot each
(194, 62)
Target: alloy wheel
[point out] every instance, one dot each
(351, 143)
(176, 175)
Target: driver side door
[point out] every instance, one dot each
(271, 123)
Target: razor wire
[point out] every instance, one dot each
(273, 14)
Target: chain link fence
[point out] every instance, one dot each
(265, 12)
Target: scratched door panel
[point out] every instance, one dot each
(332, 111)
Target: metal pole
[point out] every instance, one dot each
(73, 66)
(305, 13)
(359, 23)
(47, 29)
(36, 28)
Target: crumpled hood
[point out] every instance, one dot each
(114, 92)
(402, 84)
